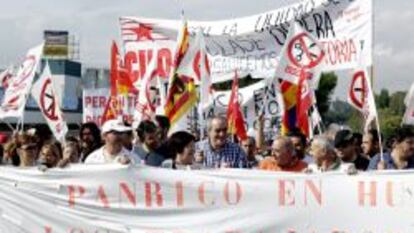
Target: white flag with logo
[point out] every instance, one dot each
(19, 86)
(146, 105)
(6, 77)
(45, 96)
(301, 52)
(409, 103)
(361, 96)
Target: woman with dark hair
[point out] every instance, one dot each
(181, 146)
(90, 139)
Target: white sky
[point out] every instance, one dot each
(95, 22)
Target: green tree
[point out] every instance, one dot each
(389, 121)
(397, 103)
(383, 99)
(327, 84)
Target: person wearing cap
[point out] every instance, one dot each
(283, 157)
(326, 160)
(148, 136)
(112, 151)
(401, 155)
(346, 151)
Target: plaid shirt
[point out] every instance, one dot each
(231, 155)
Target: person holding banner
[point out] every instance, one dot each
(71, 151)
(401, 155)
(324, 155)
(112, 151)
(249, 147)
(181, 146)
(370, 143)
(284, 157)
(217, 151)
(300, 143)
(147, 133)
(50, 155)
(90, 139)
(26, 149)
(346, 150)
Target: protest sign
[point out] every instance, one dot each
(252, 44)
(115, 198)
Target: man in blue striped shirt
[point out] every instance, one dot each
(217, 151)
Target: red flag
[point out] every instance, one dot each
(121, 86)
(304, 101)
(234, 115)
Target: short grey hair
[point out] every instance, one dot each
(211, 119)
(323, 143)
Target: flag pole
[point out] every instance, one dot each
(9, 125)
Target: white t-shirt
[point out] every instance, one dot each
(100, 156)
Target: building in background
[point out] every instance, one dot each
(61, 52)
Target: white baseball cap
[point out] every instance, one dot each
(115, 125)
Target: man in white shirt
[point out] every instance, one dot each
(112, 151)
(326, 159)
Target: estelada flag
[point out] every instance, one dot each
(235, 120)
(182, 93)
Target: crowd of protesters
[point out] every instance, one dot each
(148, 143)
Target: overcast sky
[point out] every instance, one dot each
(95, 23)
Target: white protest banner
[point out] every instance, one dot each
(253, 99)
(44, 94)
(94, 103)
(115, 198)
(252, 44)
(301, 56)
(16, 94)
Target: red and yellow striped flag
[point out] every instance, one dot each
(182, 93)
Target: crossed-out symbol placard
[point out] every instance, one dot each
(358, 90)
(48, 101)
(303, 52)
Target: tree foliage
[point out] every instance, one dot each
(327, 84)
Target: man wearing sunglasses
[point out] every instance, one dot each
(112, 151)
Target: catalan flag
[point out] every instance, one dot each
(182, 92)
